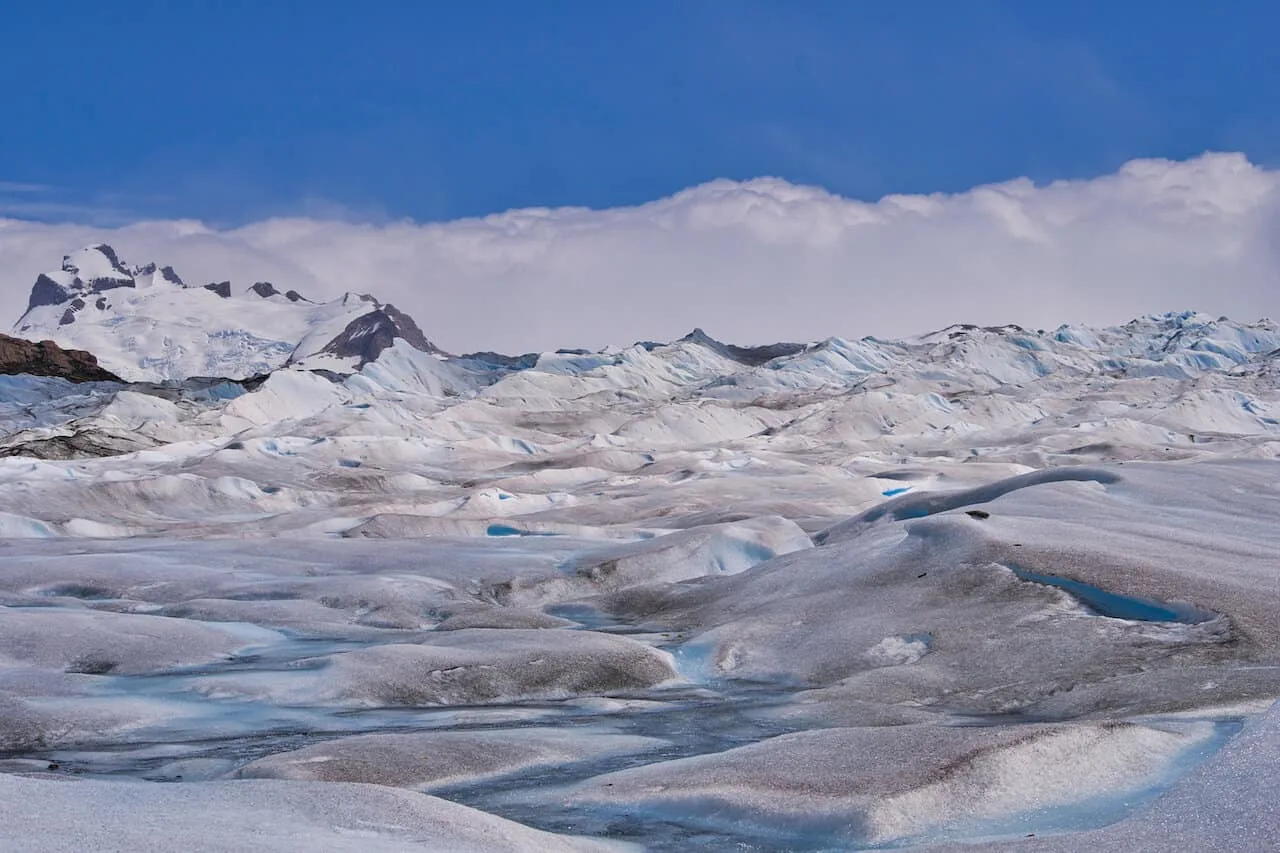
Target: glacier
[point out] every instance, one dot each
(298, 579)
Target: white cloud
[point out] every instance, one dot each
(756, 261)
(21, 187)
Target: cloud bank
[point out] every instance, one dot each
(755, 261)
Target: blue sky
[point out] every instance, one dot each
(232, 111)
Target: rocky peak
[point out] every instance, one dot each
(91, 260)
(91, 270)
(166, 274)
(46, 291)
(749, 356)
(368, 335)
(97, 268)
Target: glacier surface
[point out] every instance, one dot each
(987, 587)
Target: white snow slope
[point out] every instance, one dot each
(980, 585)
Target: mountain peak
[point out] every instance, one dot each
(91, 270)
(366, 336)
(96, 260)
(749, 356)
(164, 274)
(145, 323)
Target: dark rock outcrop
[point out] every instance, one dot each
(368, 335)
(98, 285)
(48, 359)
(83, 444)
(749, 356)
(265, 289)
(498, 361)
(46, 291)
(166, 274)
(222, 288)
(408, 329)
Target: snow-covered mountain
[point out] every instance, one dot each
(145, 323)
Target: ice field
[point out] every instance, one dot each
(988, 588)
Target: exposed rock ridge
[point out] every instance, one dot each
(368, 335)
(46, 358)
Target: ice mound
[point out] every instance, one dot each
(43, 709)
(854, 784)
(480, 615)
(471, 666)
(18, 527)
(430, 760)
(39, 723)
(96, 642)
(486, 665)
(706, 550)
(1225, 805)
(222, 817)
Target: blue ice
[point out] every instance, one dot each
(1115, 605)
